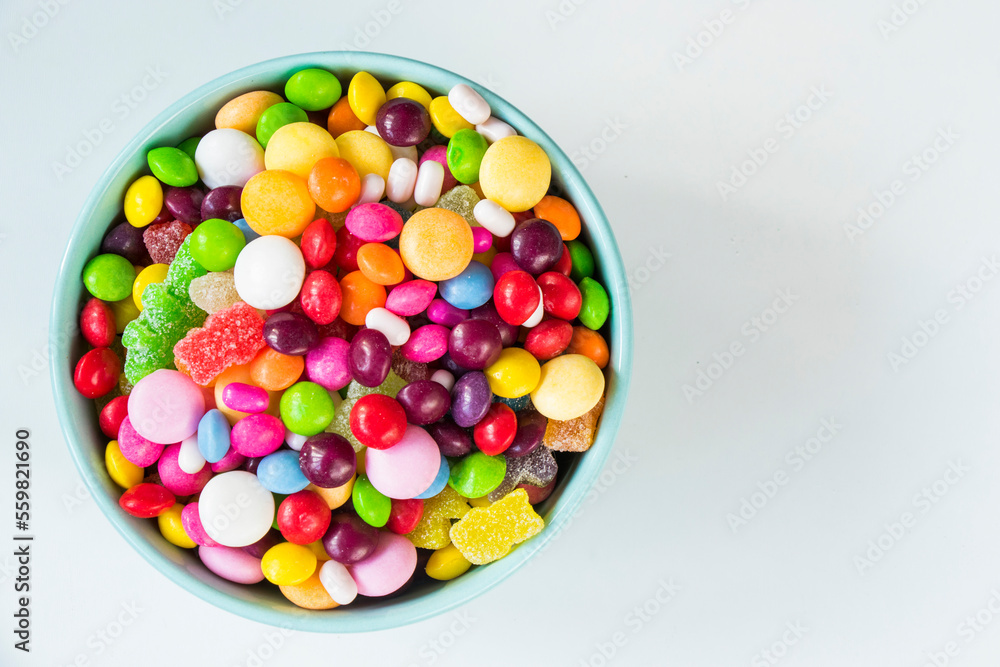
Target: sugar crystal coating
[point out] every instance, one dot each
(230, 337)
(462, 200)
(164, 239)
(574, 435)
(537, 468)
(488, 533)
(432, 531)
(214, 291)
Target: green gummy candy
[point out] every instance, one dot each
(183, 269)
(460, 199)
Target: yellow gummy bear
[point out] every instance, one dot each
(486, 534)
(431, 531)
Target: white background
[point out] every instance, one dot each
(675, 133)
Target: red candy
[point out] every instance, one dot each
(549, 339)
(146, 500)
(346, 255)
(537, 494)
(97, 323)
(321, 297)
(97, 372)
(560, 296)
(495, 432)
(113, 415)
(378, 421)
(303, 517)
(164, 239)
(319, 242)
(516, 297)
(230, 337)
(565, 263)
(405, 515)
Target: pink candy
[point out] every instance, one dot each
(232, 564)
(257, 435)
(165, 406)
(503, 262)
(245, 397)
(191, 523)
(482, 239)
(326, 364)
(175, 480)
(374, 222)
(411, 298)
(440, 155)
(136, 448)
(388, 567)
(406, 469)
(231, 461)
(426, 344)
(442, 312)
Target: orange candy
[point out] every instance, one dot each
(590, 344)
(436, 244)
(360, 295)
(277, 202)
(274, 371)
(336, 496)
(560, 213)
(342, 119)
(310, 594)
(380, 264)
(334, 184)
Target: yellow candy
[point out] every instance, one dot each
(366, 152)
(410, 90)
(123, 472)
(515, 173)
(296, 147)
(337, 496)
(446, 120)
(569, 386)
(276, 201)
(488, 533)
(361, 461)
(447, 563)
(436, 244)
(365, 95)
(310, 594)
(154, 273)
(172, 528)
(431, 532)
(143, 201)
(124, 311)
(320, 551)
(514, 374)
(242, 113)
(288, 564)
(480, 502)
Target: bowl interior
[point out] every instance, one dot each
(194, 114)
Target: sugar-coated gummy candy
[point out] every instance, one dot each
(462, 200)
(574, 435)
(214, 291)
(488, 533)
(515, 173)
(163, 240)
(230, 337)
(537, 469)
(432, 531)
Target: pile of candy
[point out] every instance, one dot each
(355, 330)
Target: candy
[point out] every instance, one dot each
(378, 421)
(495, 129)
(470, 399)
(359, 295)
(371, 504)
(146, 501)
(213, 292)
(213, 436)
(432, 531)
(108, 277)
(583, 260)
(446, 120)
(514, 373)
(452, 439)
(494, 433)
(306, 408)
(163, 239)
(327, 460)
(112, 415)
(242, 113)
(395, 328)
(184, 203)
(426, 344)
(166, 406)
(135, 448)
(223, 203)
(477, 474)
(466, 149)
(430, 182)
(538, 468)
(290, 333)
(303, 517)
(126, 240)
(536, 245)
(516, 297)
(277, 202)
(143, 201)
(488, 533)
(269, 272)
(334, 184)
(596, 306)
(318, 242)
(310, 594)
(407, 468)
(574, 435)
(228, 157)
(297, 147)
(549, 339)
(380, 264)
(230, 337)
(370, 357)
(337, 582)
(327, 363)
(366, 96)
(97, 372)
(172, 166)
(515, 173)
(313, 89)
(475, 344)
(439, 483)
(469, 289)
(462, 200)
(172, 528)
(231, 564)
(321, 297)
(341, 118)
(447, 563)
(436, 244)
(366, 152)
(215, 244)
(176, 480)
(568, 386)
(374, 222)
(560, 296)
(122, 472)
(424, 402)
(531, 426)
(288, 564)
(256, 434)
(403, 122)
(349, 539)
(254, 505)
(274, 371)
(560, 213)
(386, 570)
(442, 312)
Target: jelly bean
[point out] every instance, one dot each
(274, 371)
(122, 472)
(338, 495)
(135, 448)
(334, 184)
(596, 306)
(174, 479)
(146, 500)
(469, 289)
(439, 154)
(371, 505)
(370, 357)
(360, 295)
(411, 297)
(245, 397)
(297, 147)
(109, 277)
(530, 431)
(388, 568)
(470, 398)
(402, 180)
(279, 472)
(243, 113)
(475, 344)
(277, 202)
(465, 154)
(516, 297)
(407, 468)
(424, 402)
(313, 89)
(405, 515)
(228, 157)
(447, 563)
(306, 408)
(184, 203)
(327, 365)
(269, 272)
(560, 296)
(125, 240)
(372, 189)
(327, 460)
(222, 203)
(560, 213)
(429, 184)
(257, 435)
(213, 436)
(232, 564)
(568, 386)
(172, 528)
(318, 242)
(275, 117)
(154, 273)
(549, 339)
(366, 96)
(97, 323)
(477, 474)
(112, 415)
(378, 421)
(380, 264)
(495, 129)
(349, 539)
(172, 166)
(591, 344)
(515, 373)
(290, 333)
(303, 517)
(288, 564)
(441, 312)
(488, 312)
(366, 152)
(440, 481)
(403, 122)
(337, 582)
(143, 201)
(166, 421)
(395, 328)
(515, 173)
(426, 344)
(321, 297)
(216, 243)
(469, 104)
(445, 119)
(436, 244)
(583, 260)
(495, 432)
(536, 245)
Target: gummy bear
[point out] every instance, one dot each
(537, 468)
(164, 239)
(460, 199)
(230, 337)
(573, 435)
(486, 534)
(214, 291)
(432, 531)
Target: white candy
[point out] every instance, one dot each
(189, 458)
(228, 157)
(443, 378)
(235, 509)
(409, 152)
(294, 440)
(338, 582)
(430, 180)
(269, 272)
(536, 317)
(469, 104)
(495, 129)
(393, 326)
(402, 179)
(494, 217)
(372, 189)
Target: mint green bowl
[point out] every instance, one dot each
(195, 114)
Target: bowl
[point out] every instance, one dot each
(194, 114)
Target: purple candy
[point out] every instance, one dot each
(261, 546)
(470, 399)
(370, 357)
(222, 203)
(488, 312)
(328, 460)
(536, 245)
(449, 365)
(184, 203)
(403, 122)
(475, 344)
(290, 333)
(530, 431)
(442, 312)
(503, 262)
(231, 461)
(127, 241)
(452, 439)
(349, 539)
(424, 402)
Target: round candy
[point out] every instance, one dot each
(306, 408)
(290, 333)
(280, 473)
(388, 568)
(561, 297)
(470, 289)
(228, 157)
(590, 344)
(378, 421)
(442, 312)
(341, 119)
(403, 122)
(560, 213)
(374, 222)
(184, 203)
(313, 89)
(232, 564)
(359, 296)
(407, 468)
(495, 432)
(222, 203)
(424, 402)
(370, 357)
(269, 272)
(146, 501)
(277, 202)
(440, 481)
(516, 373)
(109, 277)
(452, 439)
(477, 474)
(112, 415)
(568, 386)
(334, 185)
(370, 503)
(288, 564)
(154, 273)
(380, 264)
(235, 509)
(242, 113)
(174, 479)
(488, 312)
(127, 241)
(515, 173)
(303, 517)
(549, 339)
(276, 117)
(408, 89)
(327, 460)
(536, 245)
(530, 432)
(475, 344)
(135, 448)
(215, 244)
(257, 435)
(405, 515)
(366, 152)
(297, 147)
(516, 297)
(596, 306)
(436, 244)
(326, 364)
(166, 406)
(97, 372)
(349, 539)
(274, 371)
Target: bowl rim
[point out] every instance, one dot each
(68, 294)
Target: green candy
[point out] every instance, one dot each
(583, 260)
(109, 277)
(190, 145)
(462, 200)
(216, 243)
(313, 89)
(477, 474)
(306, 408)
(596, 305)
(276, 117)
(465, 153)
(369, 503)
(278, 499)
(172, 166)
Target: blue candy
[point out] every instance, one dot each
(470, 289)
(441, 481)
(248, 233)
(280, 472)
(213, 436)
